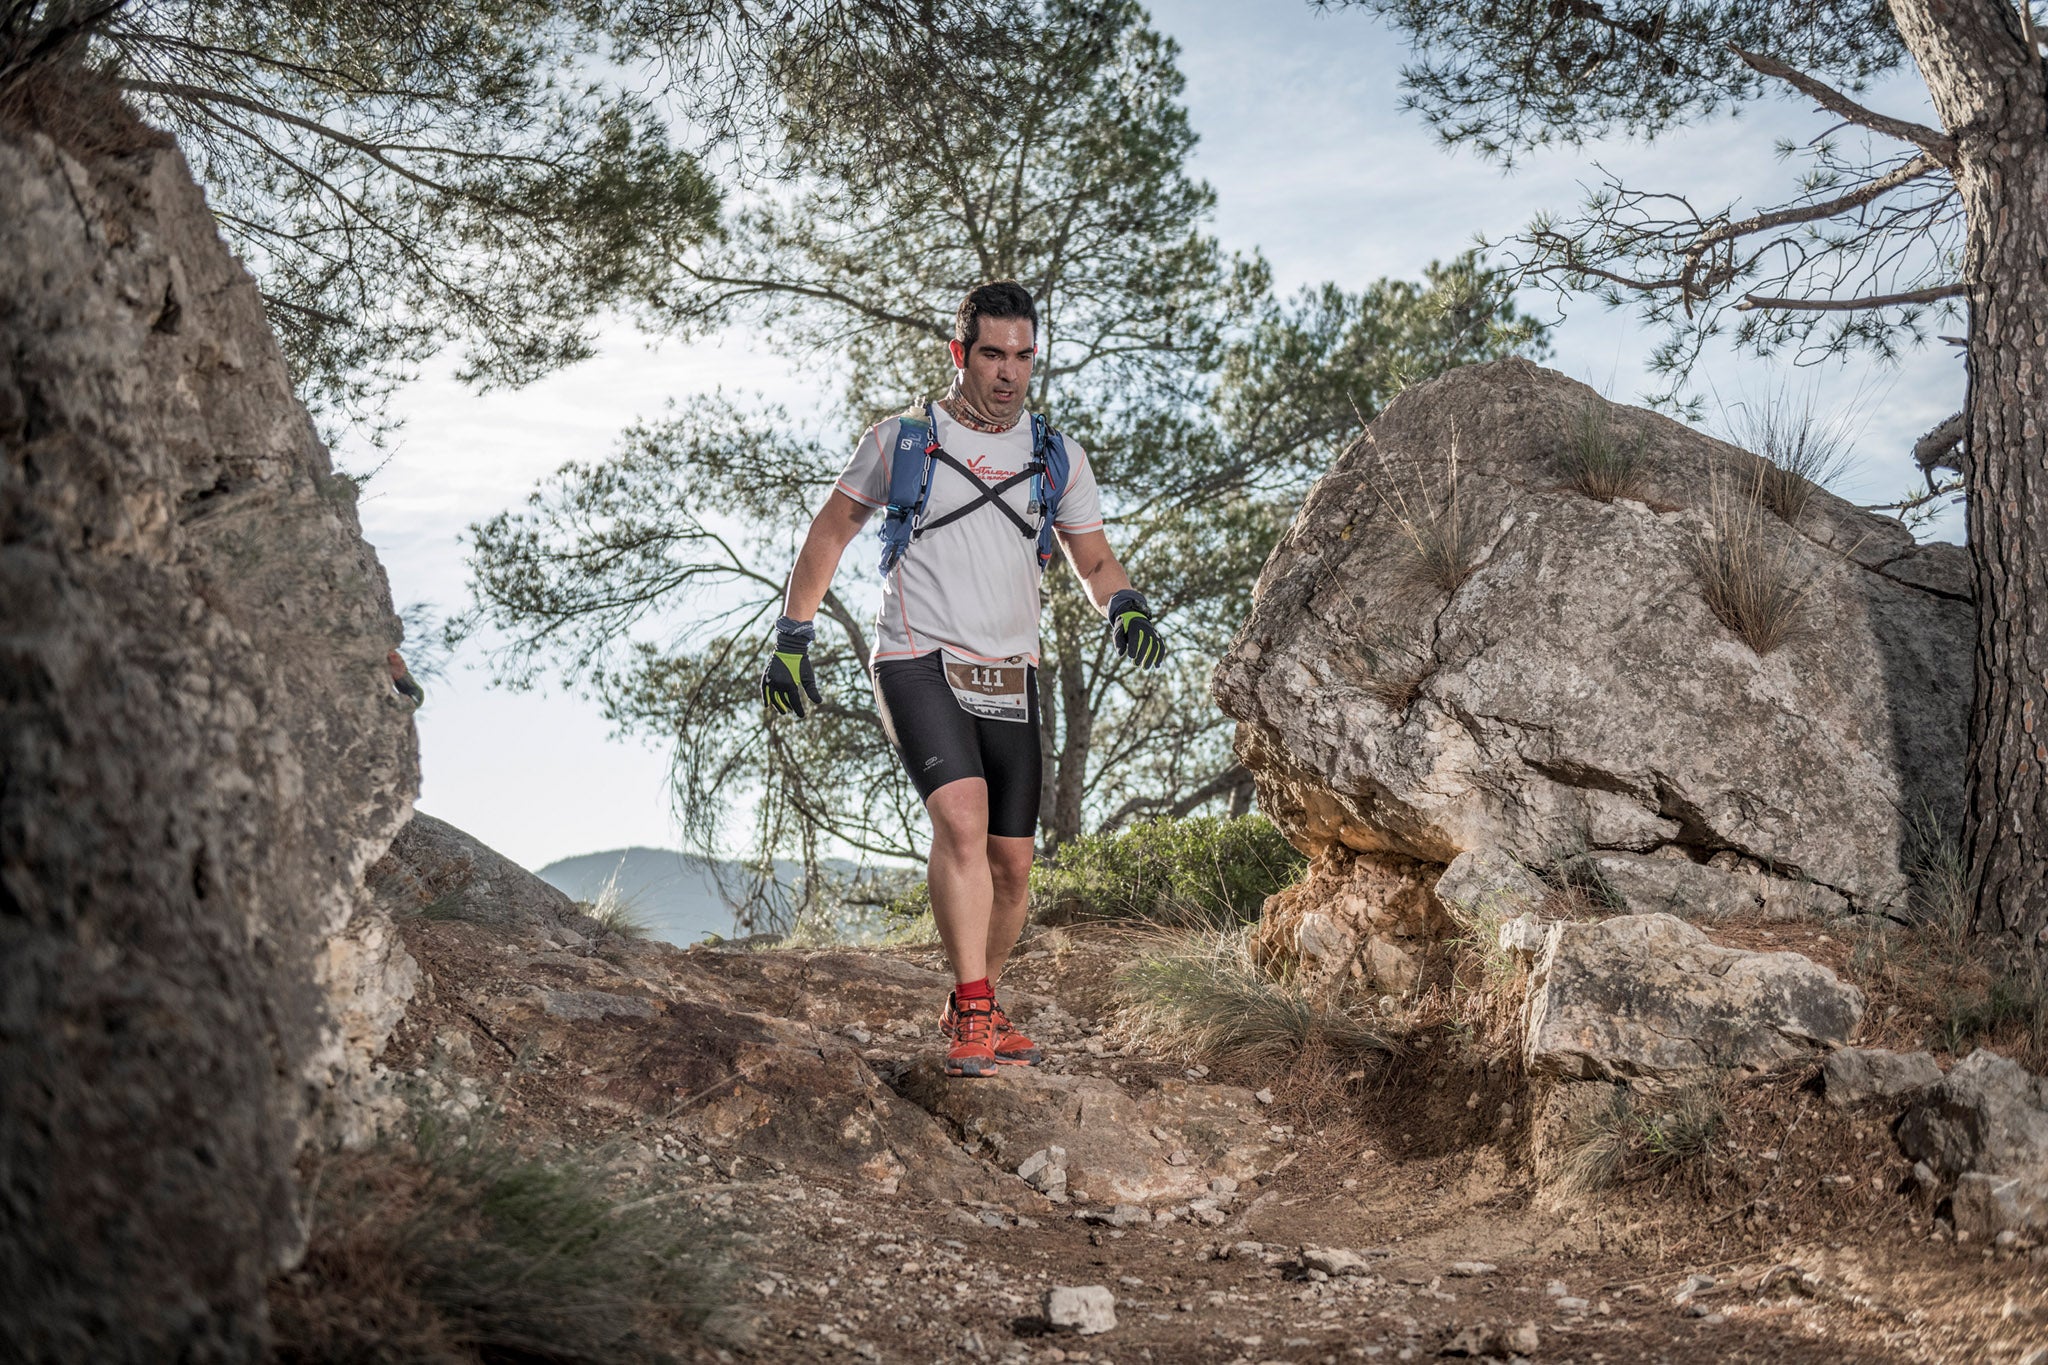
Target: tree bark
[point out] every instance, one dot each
(1063, 695)
(1987, 84)
(1080, 732)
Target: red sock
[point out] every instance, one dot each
(973, 990)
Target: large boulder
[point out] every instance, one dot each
(200, 754)
(643, 1039)
(1574, 693)
(1984, 1128)
(1647, 998)
(1988, 1114)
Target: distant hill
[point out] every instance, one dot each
(675, 894)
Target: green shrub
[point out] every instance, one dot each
(451, 1245)
(1203, 870)
(1199, 993)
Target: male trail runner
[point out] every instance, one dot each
(956, 652)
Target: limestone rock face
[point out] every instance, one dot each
(1675, 885)
(1484, 886)
(199, 756)
(1574, 691)
(1649, 998)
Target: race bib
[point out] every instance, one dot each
(990, 691)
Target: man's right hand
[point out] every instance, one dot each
(789, 677)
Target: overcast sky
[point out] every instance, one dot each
(1313, 162)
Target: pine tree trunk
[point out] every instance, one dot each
(1989, 89)
(1063, 696)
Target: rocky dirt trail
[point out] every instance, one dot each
(872, 1211)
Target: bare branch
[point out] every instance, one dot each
(1933, 295)
(200, 95)
(1827, 208)
(1935, 492)
(1938, 145)
(1941, 448)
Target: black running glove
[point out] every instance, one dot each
(789, 675)
(1132, 631)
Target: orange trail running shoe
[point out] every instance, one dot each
(973, 1034)
(1012, 1048)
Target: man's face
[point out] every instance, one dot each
(996, 369)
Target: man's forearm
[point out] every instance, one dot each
(1095, 564)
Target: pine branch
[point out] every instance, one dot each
(1938, 145)
(1933, 295)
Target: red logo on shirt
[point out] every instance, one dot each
(987, 472)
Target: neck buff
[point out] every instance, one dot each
(967, 415)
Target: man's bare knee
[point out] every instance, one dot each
(1009, 865)
(959, 815)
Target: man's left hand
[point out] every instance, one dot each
(1132, 631)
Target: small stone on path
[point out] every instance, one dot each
(1333, 1260)
(1088, 1309)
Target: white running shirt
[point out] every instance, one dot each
(970, 586)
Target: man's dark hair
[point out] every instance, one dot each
(1002, 299)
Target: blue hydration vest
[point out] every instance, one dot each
(917, 450)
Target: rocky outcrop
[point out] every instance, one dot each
(703, 1048)
(1648, 999)
(1368, 917)
(1563, 686)
(1166, 1146)
(202, 754)
(1984, 1131)
(434, 869)
(1484, 886)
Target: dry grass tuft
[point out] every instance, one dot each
(1631, 1137)
(1748, 569)
(451, 1246)
(617, 913)
(1199, 994)
(1940, 985)
(1395, 671)
(1439, 526)
(1801, 451)
(79, 108)
(1598, 462)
